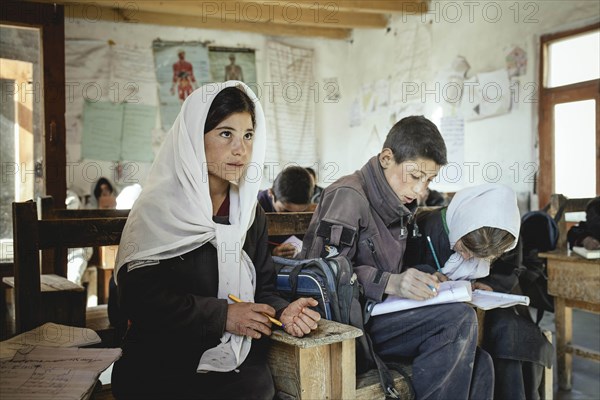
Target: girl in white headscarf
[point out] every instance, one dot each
(195, 236)
(476, 238)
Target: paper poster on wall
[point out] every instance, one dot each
(486, 95)
(117, 131)
(180, 68)
(453, 132)
(516, 61)
(228, 63)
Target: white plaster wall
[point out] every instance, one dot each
(480, 35)
(327, 52)
(412, 50)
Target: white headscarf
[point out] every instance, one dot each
(492, 205)
(174, 215)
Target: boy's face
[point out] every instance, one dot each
(410, 178)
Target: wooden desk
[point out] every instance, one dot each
(574, 282)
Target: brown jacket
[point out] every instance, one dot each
(362, 218)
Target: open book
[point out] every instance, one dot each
(449, 292)
(452, 292)
(487, 300)
(585, 253)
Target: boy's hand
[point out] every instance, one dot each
(286, 250)
(413, 284)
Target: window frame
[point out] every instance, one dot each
(548, 98)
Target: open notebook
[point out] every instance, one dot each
(452, 292)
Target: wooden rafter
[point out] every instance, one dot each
(329, 19)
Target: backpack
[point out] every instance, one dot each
(333, 283)
(539, 233)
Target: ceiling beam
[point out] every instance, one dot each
(94, 12)
(362, 6)
(227, 11)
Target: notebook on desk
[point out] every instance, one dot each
(585, 253)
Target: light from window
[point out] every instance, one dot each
(575, 149)
(572, 60)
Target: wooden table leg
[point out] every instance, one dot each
(563, 317)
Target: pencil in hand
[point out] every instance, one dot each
(273, 320)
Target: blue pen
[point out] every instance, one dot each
(437, 263)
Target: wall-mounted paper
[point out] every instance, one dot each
(114, 132)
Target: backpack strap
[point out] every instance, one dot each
(385, 377)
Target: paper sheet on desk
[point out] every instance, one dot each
(48, 335)
(296, 242)
(53, 372)
(449, 292)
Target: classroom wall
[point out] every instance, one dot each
(82, 173)
(413, 50)
(417, 47)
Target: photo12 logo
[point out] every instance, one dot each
(472, 11)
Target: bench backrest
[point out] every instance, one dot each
(62, 229)
(31, 235)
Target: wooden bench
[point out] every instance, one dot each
(53, 236)
(319, 366)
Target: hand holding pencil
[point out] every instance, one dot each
(249, 319)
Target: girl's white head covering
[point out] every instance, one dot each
(174, 214)
(492, 205)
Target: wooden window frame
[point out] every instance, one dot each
(50, 20)
(549, 97)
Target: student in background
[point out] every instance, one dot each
(318, 189)
(587, 233)
(193, 237)
(475, 237)
(365, 216)
(105, 194)
(291, 192)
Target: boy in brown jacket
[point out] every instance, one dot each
(366, 216)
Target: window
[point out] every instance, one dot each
(569, 114)
(32, 75)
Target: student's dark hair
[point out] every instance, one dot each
(312, 172)
(416, 137)
(293, 185)
(98, 187)
(487, 241)
(228, 101)
(592, 209)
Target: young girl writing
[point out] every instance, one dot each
(473, 238)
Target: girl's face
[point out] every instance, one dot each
(228, 147)
(460, 248)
